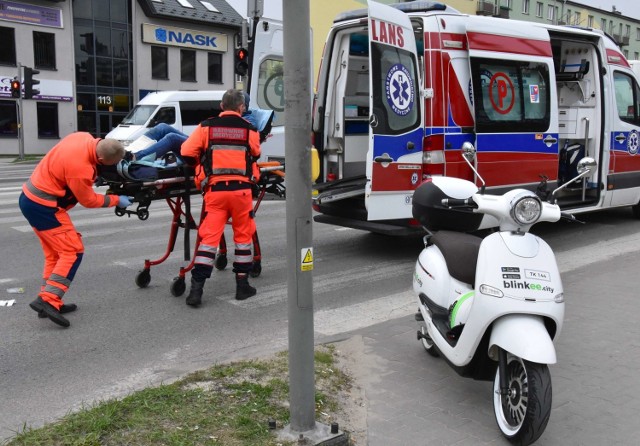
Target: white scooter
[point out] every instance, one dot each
(492, 306)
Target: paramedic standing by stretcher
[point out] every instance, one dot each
(64, 177)
(225, 147)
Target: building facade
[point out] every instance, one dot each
(97, 58)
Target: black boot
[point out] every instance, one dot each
(243, 289)
(194, 298)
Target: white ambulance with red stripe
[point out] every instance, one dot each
(401, 88)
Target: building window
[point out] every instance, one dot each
(525, 7)
(637, 33)
(8, 119)
(214, 68)
(627, 31)
(590, 21)
(636, 55)
(48, 120)
(44, 50)
(578, 19)
(603, 24)
(8, 47)
(539, 9)
(551, 13)
(187, 65)
(160, 69)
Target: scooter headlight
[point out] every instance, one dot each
(526, 210)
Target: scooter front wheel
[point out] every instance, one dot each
(427, 342)
(523, 413)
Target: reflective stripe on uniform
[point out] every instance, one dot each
(206, 255)
(39, 193)
(243, 253)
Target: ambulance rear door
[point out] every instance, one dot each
(394, 157)
(513, 95)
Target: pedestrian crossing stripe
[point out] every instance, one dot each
(306, 254)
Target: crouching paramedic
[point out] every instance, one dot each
(225, 147)
(64, 177)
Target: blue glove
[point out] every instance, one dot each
(123, 201)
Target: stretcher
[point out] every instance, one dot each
(176, 185)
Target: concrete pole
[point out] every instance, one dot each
(20, 116)
(297, 89)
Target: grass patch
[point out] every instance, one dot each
(27, 159)
(229, 404)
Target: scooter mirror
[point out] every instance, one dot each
(468, 151)
(469, 155)
(587, 165)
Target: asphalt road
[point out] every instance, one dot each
(123, 337)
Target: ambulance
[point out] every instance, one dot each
(401, 88)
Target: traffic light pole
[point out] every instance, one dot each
(19, 118)
(297, 145)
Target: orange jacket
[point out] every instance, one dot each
(66, 175)
(198, 142)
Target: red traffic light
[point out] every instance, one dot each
(241, 61)
(242, 54)
(15, 88)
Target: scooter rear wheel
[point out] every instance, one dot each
(523, 414)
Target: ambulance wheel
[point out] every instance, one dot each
(523, 413)
(427, 342)
(256, 269)
(636, 211)
(143, 278)
(221, 262)
(178, 286)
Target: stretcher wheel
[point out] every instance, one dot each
(178, 286)
(256, 269)
(221, 262)
(143, 214)
(120, 211)
(143, 278)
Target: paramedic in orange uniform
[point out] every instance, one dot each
(64, 177)
(225, 148)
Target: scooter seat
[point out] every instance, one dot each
(460, 251)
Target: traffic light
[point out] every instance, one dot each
(241, 61)
(30, 82)
(15, 88)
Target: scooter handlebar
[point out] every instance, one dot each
(458, 202)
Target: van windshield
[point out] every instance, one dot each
(139, 115)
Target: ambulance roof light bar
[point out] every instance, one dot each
(415, 6)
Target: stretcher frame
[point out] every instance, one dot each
(177, 191)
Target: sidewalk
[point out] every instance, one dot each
(411, 398)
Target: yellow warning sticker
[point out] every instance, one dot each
(306, 256)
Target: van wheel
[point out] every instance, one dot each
(636, 211)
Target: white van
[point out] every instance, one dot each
(183, 110)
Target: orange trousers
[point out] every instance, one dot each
(62, 247)
(220, 206)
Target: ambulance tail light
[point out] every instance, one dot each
(433, 156)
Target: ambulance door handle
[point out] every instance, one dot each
(620, 138)
(550, 140)
(384, 158)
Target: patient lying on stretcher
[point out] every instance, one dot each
(159, 148)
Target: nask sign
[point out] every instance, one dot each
(168, 35)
